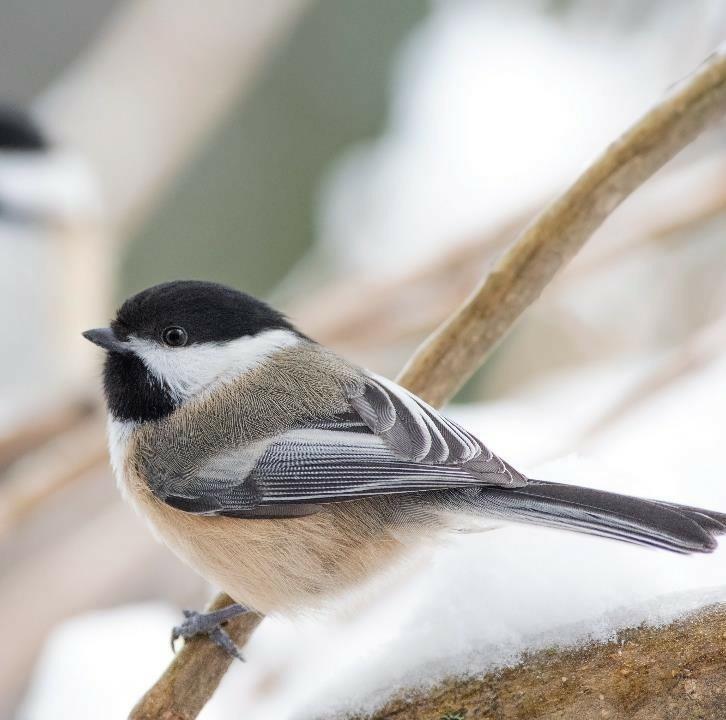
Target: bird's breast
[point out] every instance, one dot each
(272, 565)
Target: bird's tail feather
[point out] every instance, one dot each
(678, 528)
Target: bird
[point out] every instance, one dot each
(286, 475)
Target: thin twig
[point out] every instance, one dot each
(179, 694)
(336, 315)
(402, 309)
(450, 356)
(701, 350)
(48, 470)
(40, 427)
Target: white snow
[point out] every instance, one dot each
(99, 664)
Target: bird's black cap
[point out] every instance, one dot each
(207, 311)
(19, 132)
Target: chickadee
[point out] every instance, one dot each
(285, 475)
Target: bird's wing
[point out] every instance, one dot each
(390, 442)
(415, 431)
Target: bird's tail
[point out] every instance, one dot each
(677, 528)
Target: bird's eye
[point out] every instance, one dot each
(174, 336)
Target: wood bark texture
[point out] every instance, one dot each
(676, 672)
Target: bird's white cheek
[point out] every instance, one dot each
(186, 371)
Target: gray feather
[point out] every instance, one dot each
(415, 431)
(595, 512)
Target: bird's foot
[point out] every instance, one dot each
(209, 624)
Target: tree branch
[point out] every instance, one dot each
(41, 426)
(194, 674)
(677, 671)
(449, 357)
(411, 304)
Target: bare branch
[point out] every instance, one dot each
(41, 426)
(450, 356)
(49, 469)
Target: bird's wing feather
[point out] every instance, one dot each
(413, 429)
(390, 442)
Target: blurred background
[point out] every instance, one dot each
(359, 164)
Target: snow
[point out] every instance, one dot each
(99, 664)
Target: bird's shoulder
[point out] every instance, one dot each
(295, 385)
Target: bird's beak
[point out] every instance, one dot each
(106, 338)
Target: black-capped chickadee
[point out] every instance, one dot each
(285, 475)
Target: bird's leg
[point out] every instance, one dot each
(209, 624)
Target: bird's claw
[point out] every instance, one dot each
(209, 624)
(221, 639)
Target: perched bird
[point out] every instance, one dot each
(285, 475)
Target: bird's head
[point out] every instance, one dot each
(172, 341)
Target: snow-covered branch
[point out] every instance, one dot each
(676, 671)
